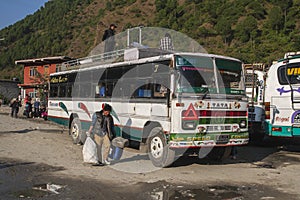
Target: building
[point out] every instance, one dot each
(36, 74)
(8, 90)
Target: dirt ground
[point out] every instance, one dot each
(34, 153)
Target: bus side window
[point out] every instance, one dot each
(54, 91)
(69, 91)
(109, 89)
(160, 91)
(62, 91)
(100, 90)
(145, 90)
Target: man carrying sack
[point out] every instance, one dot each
(103, 129)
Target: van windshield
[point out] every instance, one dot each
(289, 74)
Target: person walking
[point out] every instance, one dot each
(102, 128)
(15, 105)
(109, 39)
(166, 43)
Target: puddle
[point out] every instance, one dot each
(212, 193)
(39, 191)
(216, 192)
(49, 187)
(30, 194)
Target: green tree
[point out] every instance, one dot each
(275, 19)
(223, 27)
(256, 10)
(246, 29)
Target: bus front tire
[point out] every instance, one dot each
(158, 150)
(76, 131)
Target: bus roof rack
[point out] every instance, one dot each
(255, 66)
(87, 61)
(291, 54)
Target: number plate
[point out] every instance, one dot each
(222, 139)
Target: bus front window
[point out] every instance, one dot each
(196, 74)
(230, 76)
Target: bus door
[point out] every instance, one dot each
(280, 116)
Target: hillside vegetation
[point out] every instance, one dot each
(251, 30)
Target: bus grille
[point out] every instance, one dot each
(217, 128)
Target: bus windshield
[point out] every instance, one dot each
(197, 75)
(289, 74)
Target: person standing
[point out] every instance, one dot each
(109, 39)
(233, 152)
(28, 107)
(103, 129)
(15, 105)
(26, 99)
(166, 43)
(36, 106)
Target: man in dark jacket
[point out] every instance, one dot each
(15, 105)
(103, 130)
(109, 39)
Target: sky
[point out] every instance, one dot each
(12, 11)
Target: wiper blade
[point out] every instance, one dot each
(205, 94)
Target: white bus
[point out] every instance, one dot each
(279, 98)
(255, 75)
(164, 102)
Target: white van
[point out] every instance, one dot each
(274, 106)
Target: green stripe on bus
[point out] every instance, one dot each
(203, 137)
(61, 121)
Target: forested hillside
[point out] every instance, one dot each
(251, 30)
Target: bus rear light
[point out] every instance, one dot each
(203, 113)
(202, 129)
(278, 129)
(179, 104)
(267, 110)
(243, 124)
(235, 128)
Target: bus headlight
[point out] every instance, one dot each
(189, 125)
(202, 129)
(243, 124)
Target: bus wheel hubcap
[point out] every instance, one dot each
(156, 147)
(75, 131)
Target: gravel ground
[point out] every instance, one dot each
(34, 153)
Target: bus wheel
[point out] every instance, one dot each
(159, 152)
(219, 153)
(75, 130)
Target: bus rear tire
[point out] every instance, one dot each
(76, 131)
(158, 150)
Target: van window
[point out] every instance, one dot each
(289, 74)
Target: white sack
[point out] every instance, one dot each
(89, 151)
